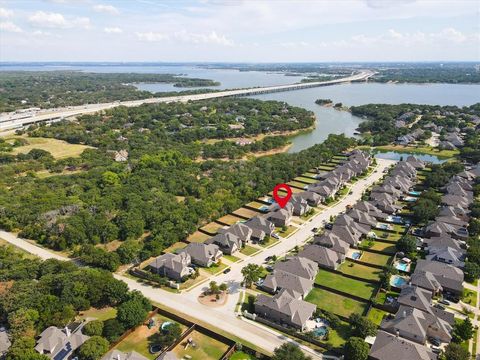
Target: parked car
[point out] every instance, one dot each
(268, 258)
(315, 229)
(227, 270)
(436, 349)
(435, 341)
(444, 302)
(451, 298)
(275, 236)
(438, 306)
(329, 226)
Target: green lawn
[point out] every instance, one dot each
(206, 348)
(337, 337)
(287, 232)
(341, 283)
(385, 235)
(334, 303)
(231, 258)
(269, 241)
(375, 259)
(376, 315)
(469, 297)
(249, 250)
(362, 271)
(385, 247)
(215, 268)
(99, 314)
(240, 355)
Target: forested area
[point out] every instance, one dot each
(453, 73)
(49, 89)
(37, 294)
(379, 127)
(160, 194)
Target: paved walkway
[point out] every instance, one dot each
(224, 317)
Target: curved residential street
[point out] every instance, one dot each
(224, 317)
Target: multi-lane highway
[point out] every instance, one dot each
(11, 121)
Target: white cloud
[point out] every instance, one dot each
(5, 13)
(151, 36)
(56, 20)
(113, 30)
(109, 9)
(8, 26)
(186, 37)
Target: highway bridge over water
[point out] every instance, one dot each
(12, 121)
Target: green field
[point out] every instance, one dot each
(99, 314)
(362, 271)
(385, 247)
(341, 283)
(376, 315)
(375, 259)
(240, 355)
(469, 297)
(385, 235)
(249, 250)
(206, 348)
(334, 303)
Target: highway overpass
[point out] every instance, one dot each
(12, 121)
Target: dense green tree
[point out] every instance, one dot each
(356, 349)
(129, 251)
(289, 351)
(362, 326)
(462, 330)
(131, 313)
(407, 244)
(166, 337)
(472, 271)
(456, 352)
(112, 329)
(251, 273)
(93, 328)
(94, 348)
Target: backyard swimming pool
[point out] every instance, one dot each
(410, 199)
(415, 193)
(320, 331)
(398, 281)
(383, 226)
(401, 266)
(356, 255)
(395, 219)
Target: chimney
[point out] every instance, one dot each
(67, 331)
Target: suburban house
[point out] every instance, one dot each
(324, 257)
(392, 347)
(300, 205)
(261, 227)
(60, 343)
(228, 243)
(447, 255)
(203, 254)
(447, 276)
(312, 198)
(415, 162)
(438, 228)
(285, 308)
(242, 231)
(370, 209)
(456, 211)
(173, 266)
(280, 279)
(362, 218)
(444, 241)
(281, 217)
(455, 200)
(118, 355)
(299, 266)
(332, 241)
(416, 325)
(384, 202)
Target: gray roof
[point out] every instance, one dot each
(415, 297)
(362, 217)
(390, 347)
(332, 241)
(321, 255)
(259, 223)
(286, 302)
(299, 266)
(242, 231)
(202, 252)
(226, 241)
(176, 262)
(371, 209)
(52, 340)
(447, 275)
(284, 280)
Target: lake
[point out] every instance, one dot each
(328, 120)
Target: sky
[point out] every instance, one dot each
(240, 30)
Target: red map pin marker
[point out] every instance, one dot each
(282, 201)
